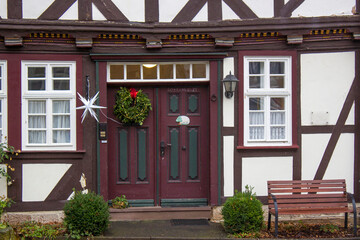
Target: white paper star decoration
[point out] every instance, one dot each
(89, 106)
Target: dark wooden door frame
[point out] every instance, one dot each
(214, 135)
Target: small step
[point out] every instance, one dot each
(159, 213)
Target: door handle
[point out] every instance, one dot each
(162, 148)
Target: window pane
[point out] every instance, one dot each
(256, 104)
(36, 85)
(256, 118)
(277, 118)
(277, 82)
(61, 121)
(37, 136)
(277, 67)
(150, 73)
(61, 85)
(199, 71)
(0, 123)
(277, 104)
(256, 82)
(166, 71)
(0, 106)
(37, 122)
(36, 72)
(133, 71)
(61, 72)
(37, 107)
(256, 133)
(277, 132)
(116, 71)
(61, 106)
(0, 71)
(256, 67)
(182, 71)
(61, 136)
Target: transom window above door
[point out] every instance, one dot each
(158, 71)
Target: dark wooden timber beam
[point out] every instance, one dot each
(285, 26)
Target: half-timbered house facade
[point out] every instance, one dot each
(295, 113)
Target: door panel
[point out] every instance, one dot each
(131, 156)
(184, 167)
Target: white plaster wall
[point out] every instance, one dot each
(3, 185)
(134, 10)
(341, 164)
(228, 13)
(228, 103)
(262, 8)
(317, 8)
(202, 15)
(258, 170)
(33, 9)
(325, 82)
(3, 9)
(169, 9)
(72, 13)
(228, 147)
(97, 15)
(40, 179)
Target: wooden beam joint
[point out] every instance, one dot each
(224, 42)
(295, 39)
(13, 41)
(84, 42)
(153, 43)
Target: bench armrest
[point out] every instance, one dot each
(352, 201)
(275, 203)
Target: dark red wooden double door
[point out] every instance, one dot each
(162, 162)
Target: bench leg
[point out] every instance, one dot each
(346, 221)
(269, 221)
(276, 225)
(355, 224)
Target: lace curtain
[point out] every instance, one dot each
(60, 121)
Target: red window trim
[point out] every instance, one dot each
(294, 95)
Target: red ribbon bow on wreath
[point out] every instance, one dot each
(133, 93)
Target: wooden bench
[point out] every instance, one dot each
(309, 197)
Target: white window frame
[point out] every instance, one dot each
(171, 80)
(3, 98)
(266, 92)
(48, 95)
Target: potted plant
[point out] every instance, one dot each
(120, 202)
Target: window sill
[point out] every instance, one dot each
(291, 147)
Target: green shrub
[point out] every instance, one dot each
(243, 213)
(86, 215)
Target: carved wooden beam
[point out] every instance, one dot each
(13, 41)
(295, 39)
(153, 43)
(84, 42)
(224, 42)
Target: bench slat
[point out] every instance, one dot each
(320, 195)
(311, 205)
(306, 181)
(310, 211)
(306, 190)
(308, 200)
(330, 185)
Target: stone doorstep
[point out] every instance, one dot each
(58, 216)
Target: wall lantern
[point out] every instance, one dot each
(230, 82)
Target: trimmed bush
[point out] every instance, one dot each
(243, 213)
(86, 215)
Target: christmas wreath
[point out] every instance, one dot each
(131, 107)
